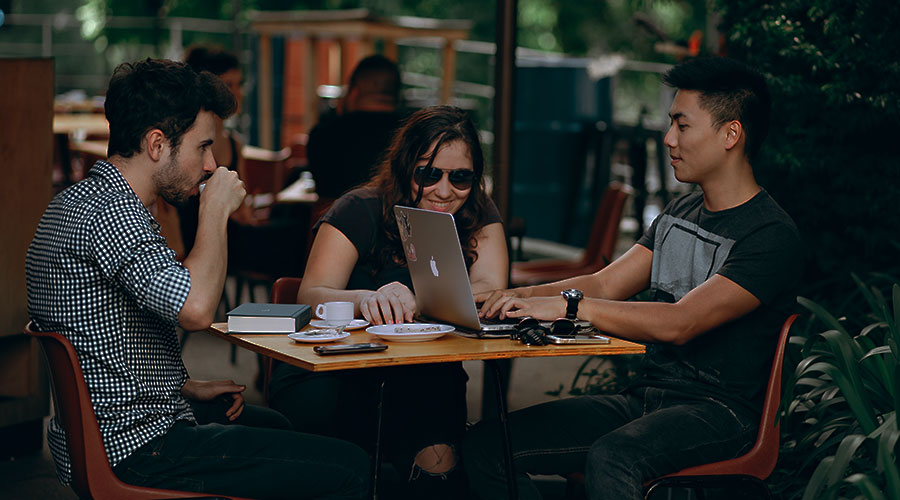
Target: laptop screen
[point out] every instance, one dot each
(437, 267)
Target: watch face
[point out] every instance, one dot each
(573, 294)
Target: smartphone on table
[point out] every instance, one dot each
(578, 339)
(325, 350)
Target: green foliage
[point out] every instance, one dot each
(830, 158)
(601, 375)
(840, 423)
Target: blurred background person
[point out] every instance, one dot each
(342, 151)
(227, 147)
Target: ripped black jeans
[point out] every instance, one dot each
(424, 405)
(618, 441)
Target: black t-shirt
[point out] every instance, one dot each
(755, 245)
(357, 215)
(343, 151)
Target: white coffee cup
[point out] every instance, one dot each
(335, 313)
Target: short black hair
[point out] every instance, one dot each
(376, 75)
(163, 94)
(212, 58)
(729, 90)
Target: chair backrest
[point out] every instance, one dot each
(92, 477)
(604, 234)
(298, 151)
(284, 291)
(760, 461)
(264, 170)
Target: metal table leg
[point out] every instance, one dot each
(376, 465)
(511, 486)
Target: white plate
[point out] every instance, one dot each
(410, 332)
(354, 325)
(317, 336)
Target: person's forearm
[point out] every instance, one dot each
(639, 321)
(207, 264)
(488, 284)
(587, 284)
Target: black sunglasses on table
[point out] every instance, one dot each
(529, 331)
(429, 176)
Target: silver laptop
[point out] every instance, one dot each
(439, 274)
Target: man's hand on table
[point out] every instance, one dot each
(208, 390)
(502, 303)
(510, 306)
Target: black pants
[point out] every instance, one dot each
(423, 405)
(241, 460)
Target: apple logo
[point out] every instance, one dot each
(434, 269)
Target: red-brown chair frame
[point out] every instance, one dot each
(92, 476)
(752, 468)
(597, 254)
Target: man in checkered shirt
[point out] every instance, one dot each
(99, 272)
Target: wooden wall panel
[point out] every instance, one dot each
(26, 157)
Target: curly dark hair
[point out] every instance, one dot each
(438, 126)
(163, 94)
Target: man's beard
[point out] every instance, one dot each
(172, 185)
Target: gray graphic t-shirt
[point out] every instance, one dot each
(755, 245)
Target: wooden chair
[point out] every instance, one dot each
(598, 252)
(92, 476)
(264, 170)
(298, 151)
(745, 473)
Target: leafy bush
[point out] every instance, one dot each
(840, 425)
(830, 159)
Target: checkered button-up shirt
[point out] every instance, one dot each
(99, 272)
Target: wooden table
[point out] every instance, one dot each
(86, 123)
(95, 149)
(448, 348)
(443, 350)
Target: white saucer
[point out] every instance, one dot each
(354, 325)
(318, 336)
(410, 332)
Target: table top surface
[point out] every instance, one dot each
(95, 148)
(89, 123)
(448, 348)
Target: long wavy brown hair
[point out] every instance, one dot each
(438, 126)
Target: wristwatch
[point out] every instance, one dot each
(573, 297)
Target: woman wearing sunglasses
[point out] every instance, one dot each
(435, 162)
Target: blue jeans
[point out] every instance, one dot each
(618, 441)
(253, 462)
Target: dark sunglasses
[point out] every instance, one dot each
(529, 331)
(429, 176)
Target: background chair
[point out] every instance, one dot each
(261, 253)
(598, 252)
(92, 477)
(284, 291)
